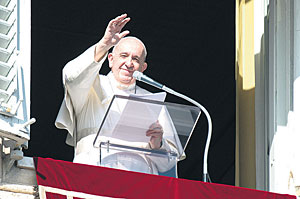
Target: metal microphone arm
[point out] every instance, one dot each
(141, 77)
(209, 134)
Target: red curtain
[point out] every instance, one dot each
(131, 185)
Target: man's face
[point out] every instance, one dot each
(127, 57)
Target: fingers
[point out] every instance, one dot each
(123, 34)
(112, 35)
(154, 133)
(119, 21)
(155, 125)
(155, 129)
(124, 22)
(156, 138)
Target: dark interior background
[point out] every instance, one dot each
(191, 48)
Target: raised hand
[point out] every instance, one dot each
(113, 32)
(112, 35)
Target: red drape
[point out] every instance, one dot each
(131, 185)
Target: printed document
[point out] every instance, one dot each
(137, 117)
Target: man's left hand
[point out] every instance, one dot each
(156, 133)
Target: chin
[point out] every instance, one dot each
(126, 82)
(126, 79)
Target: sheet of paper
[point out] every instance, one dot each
(137, 117)
(152, 96)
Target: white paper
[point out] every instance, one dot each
(152, 96)
(137, 117)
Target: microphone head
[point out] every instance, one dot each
(137, 75)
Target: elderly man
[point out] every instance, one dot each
(88, 94)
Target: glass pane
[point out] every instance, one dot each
(123, 131)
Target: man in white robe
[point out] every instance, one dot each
(88, 94)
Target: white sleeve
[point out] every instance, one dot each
(79, 76)
(164, 164)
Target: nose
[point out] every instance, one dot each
(128, 62)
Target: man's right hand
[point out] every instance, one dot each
(111, 36)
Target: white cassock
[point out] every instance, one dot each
(86, 99)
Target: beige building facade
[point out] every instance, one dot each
(267, 92)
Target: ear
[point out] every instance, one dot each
(110, 59)
(144, 67)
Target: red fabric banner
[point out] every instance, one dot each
(116, 183)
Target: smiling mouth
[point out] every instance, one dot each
(127, 70)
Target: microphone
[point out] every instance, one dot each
(141, 77)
